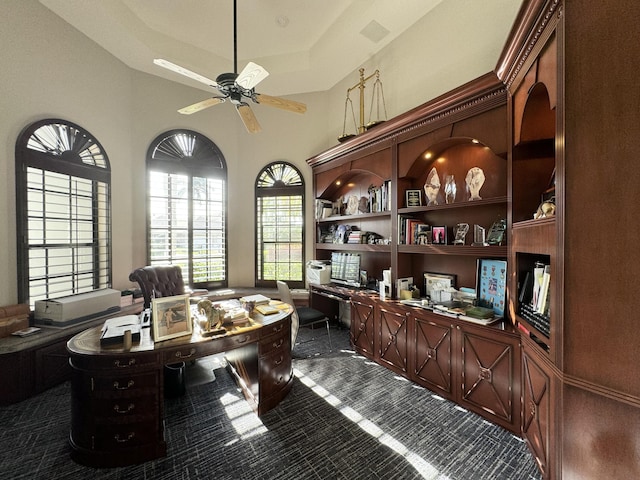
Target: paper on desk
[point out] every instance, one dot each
(117, 323)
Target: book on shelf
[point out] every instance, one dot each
(542, 305)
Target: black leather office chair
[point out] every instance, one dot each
(302, 316)
(163, 281)
(158, 281)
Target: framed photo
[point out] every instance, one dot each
(491, 284)
(171, 317)
(413, 198)
(438, 281)
(423, 234)
(439, 235)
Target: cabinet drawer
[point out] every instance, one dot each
(115, 437)
(275, 343)
(133, 408)
(277, 328)
(275, 372)
(125, 385)
(124, 362)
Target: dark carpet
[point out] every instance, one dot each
(346, 418)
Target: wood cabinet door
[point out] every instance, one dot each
(536, 409)
(432, 363)
(489, 375)
(393, 339)
(362, 327)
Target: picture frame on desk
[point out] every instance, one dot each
(171, 317)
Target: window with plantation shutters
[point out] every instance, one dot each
(63, 201)
(187, 207)
(280, 226)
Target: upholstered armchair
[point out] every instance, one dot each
(158, 281)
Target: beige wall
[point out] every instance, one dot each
(50, 70)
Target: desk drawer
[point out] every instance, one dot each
(277, 328)
(275, 343)
(123, 362)
(124, 385)
(275, 372)
(115, 437)
(135, 408)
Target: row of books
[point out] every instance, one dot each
(380, 197)
(412, 231)
(541, 282)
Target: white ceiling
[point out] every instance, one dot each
(306, 45)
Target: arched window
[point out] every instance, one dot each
(187, 199)
(63, 182)
(280, 226)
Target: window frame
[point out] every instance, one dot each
(71, 158)
(279, 189)
(207, 162)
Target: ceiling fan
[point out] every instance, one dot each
(238, 88)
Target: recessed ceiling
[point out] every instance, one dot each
(306, 45)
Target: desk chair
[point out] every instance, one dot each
(302, 316)
(158, 281)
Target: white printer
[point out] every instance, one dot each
(319, 271)
(64, 311)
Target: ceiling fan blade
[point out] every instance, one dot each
(278, 102)
(248, 118)
(251, 75)
(196, 107)
(183, 71)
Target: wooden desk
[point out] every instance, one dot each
(117, 396)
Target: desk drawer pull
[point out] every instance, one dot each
(130, 407)
(117, 386)
(243, 339)
(279, 361)
(179, 354)
(128, 438)
(130, 363)
(278, 344)
(278, 328)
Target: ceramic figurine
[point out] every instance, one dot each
(432, 187)
(474, 179)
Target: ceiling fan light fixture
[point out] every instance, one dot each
(238, 88)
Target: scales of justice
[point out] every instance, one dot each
(377, 98)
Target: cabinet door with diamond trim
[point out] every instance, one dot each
(432, 363)
(490, 375)
(362, 326)
(393, 339)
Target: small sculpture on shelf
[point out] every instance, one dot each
(474, 179)
(546, 209)
(432, 187)
(450, 189)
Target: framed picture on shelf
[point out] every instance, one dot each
(491, 284)
(171, 317)
(413, 198)
(439, 235)
(423, 234)
(438, 281)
